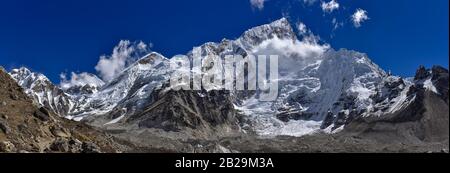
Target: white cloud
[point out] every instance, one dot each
(358, 17)
(330, 6)
(258, 3)
(303, 48)
(80, 79)
(123, 55)
(294, 54)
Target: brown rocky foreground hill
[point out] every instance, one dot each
(26, 128)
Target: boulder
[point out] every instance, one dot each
(42, 116)
(60, 145)
(45, 111)
(6, 146)
(14, 96)
(59, 132)
(4, 127)
(3, 116)
(89, 147)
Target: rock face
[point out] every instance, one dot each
(439, 78)
(211, 113)
(25, 127)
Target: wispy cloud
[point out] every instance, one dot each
(336, 24)
(123, 55)
(309, 2)
(329, 7)
(80, 79)
(358, 17)
(307, 35)
(259, 4)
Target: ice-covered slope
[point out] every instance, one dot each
(78, 101)
(333, 81)
(129, 91)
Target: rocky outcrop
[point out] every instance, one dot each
(439, 77)
(210, 113)
(421, 73)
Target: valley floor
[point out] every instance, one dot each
(156, 141)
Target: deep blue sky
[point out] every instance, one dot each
(54, 36)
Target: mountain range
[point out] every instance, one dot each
(329, 101)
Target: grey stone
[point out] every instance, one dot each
(4, 127)
(6, 146)
(3, 116)
(89, 147)
(24, 151)
(75, 145)
(59, 132)
(14, 97)
(45, 111)
(60, 145)
(41, 116)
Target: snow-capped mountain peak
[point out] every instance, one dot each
(280, 28)
(28, 78)
(42, 90)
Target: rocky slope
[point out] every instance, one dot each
(26, 128)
